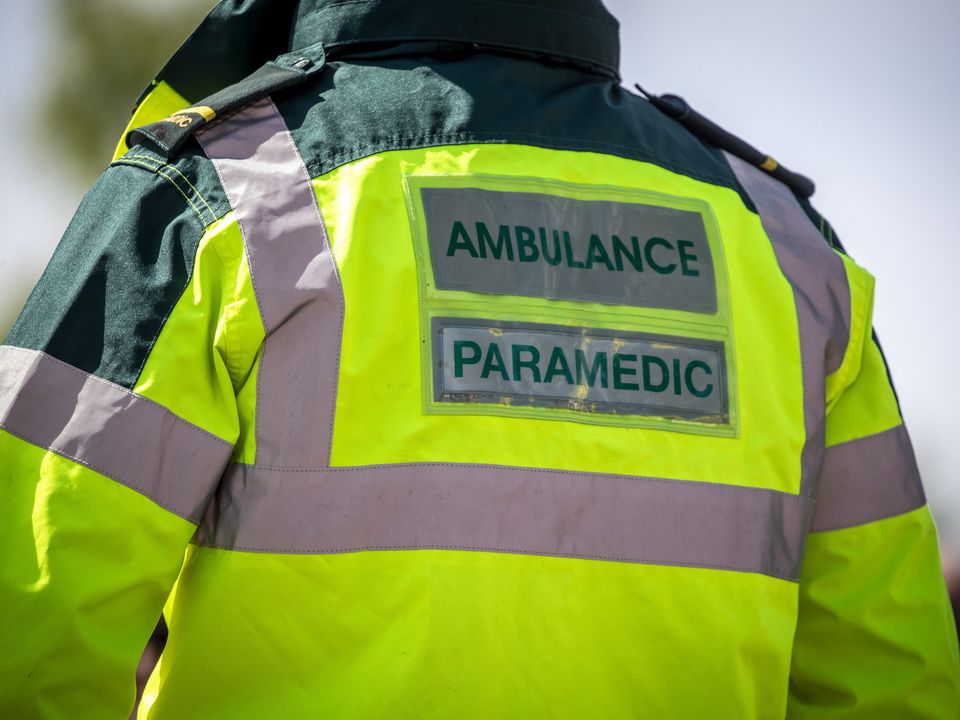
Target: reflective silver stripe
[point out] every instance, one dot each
(821, 294)
(295, 279)
(115, 432)
(512, 510)
(866, 480)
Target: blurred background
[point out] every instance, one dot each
(861, 96)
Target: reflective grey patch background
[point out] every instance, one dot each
(581, 218)
(472, 388)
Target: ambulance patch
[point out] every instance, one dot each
(560, 248)
(552, 300)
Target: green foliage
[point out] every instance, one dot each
(108, 52)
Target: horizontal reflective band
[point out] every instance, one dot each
(868, 479)
(109, 429)
(543, 245)
(585, 369)
(513, 510)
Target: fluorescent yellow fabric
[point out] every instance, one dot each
(418, 625)
(875, 634)
(377, 242)
(567, 635)
(516, 307)
(469, 634)
(454, 633)
(87, 565)
(441, 634)
(868, 406)
(203, 356)
(861, 284)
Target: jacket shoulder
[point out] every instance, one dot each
(122, 264)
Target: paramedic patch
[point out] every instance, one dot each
(560, 248)
(586, 369)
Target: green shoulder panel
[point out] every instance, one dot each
(431, 95)
(122, 264)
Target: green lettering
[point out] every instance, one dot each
(685, 257)
(597, 252)
(688, 379)
(558, 366)
(460, 240)
(620, 250)
(494, 363)
(677, 389)
(571, 261)
(648, 253)
(503, 241)
(619, 371)
(557, 257)
(599, 367)
(526, 244)
(459, 359)
(648, 363)
(530, 363)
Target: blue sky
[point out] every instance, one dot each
(861, 96)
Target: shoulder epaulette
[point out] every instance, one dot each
(677, 108)
(169, 134)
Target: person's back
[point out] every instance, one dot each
(552, 410)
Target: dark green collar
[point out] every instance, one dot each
(239, 36)
(577, 31)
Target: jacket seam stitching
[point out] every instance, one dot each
(175, 169)
(322, 165)
(169, 179)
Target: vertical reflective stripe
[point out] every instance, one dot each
(295, 279)
(119, 434)
(868, 479)
(821, 294)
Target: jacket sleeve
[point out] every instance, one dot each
(117, 417)
(875, 635)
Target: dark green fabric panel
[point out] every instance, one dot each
(169, 135)
(354, 109)
(236, 38)
(121, 266)
(580, 31)
(239, 36)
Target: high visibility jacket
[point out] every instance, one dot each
(424, 372)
